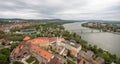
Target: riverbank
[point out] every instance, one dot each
(103, 27)
(106, 41)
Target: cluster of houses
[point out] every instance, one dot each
(8, 27)
(41, 47)
(105, 26)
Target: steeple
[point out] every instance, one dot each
(59, 40)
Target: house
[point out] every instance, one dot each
(83, 61)
(74, 53)
(73, 47)
(90, 53)
(42, 55)
(57, 60)
(100, 60)
(28, 31)
(26, 38)
(35, 47)
(22, 50)
(2, 40)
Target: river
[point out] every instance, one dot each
(104, 40)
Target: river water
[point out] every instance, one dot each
(104, 40)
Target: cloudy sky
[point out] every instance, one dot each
(61, 9)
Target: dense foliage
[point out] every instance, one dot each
(4, 56)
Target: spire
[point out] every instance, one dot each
(58, 41)
(57, 38)
(60, 38)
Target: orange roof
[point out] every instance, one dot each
(95, 62)
(43, 40)
(65, 52)
(73, 53)
(62, 39)
(26, 38)
(2, 40)
(16, 51)
(40, 41)
(42, 52)
(52, 39)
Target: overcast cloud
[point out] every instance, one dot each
(61, 9)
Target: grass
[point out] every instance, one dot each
(16, 62)
(36, 62)
(31, 59)
(54, 52)
(70, 62)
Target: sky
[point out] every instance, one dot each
(61, 9)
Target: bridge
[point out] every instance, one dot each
(88, 31)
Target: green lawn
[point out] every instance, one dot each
(31, 59)
(70, 62)
(54, 52)
(16, 62)
(36, 62)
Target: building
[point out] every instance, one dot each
(21, 51)
(29, 31)
(37, 48)
(26, 38)
(100, 60)
(73, 47)
(89, 53)
(57, 60)
(42, 55)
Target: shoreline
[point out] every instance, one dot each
(88, 41)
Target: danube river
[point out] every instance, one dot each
(104, 40)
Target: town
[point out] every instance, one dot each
(105, 27)
(48, 43)
(59, 31)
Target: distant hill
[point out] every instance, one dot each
(52, 20)
(33, 20)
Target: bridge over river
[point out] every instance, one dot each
(105, 40)
(87, 31)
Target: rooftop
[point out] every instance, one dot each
(46, 55)
(26, 38)
(42, 40)
(74, 53)
(55, 60)
(73, 44)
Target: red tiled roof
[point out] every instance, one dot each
(65, 52)
(2, 40)
(62, 39)
(26, 38)
(52, 39)
(17, 50)
(73, 53)
(55, 60)
(42, 41)
(46, 55)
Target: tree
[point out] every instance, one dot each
(3, 43)
(13, 46)
(4, 55)
(16, 62)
